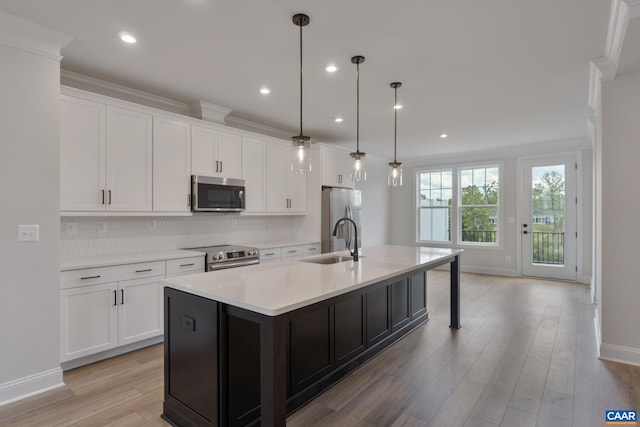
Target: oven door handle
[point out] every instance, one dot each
(224, 265)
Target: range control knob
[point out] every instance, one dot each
(219, 256)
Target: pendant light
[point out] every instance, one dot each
(300, 144)
(358, 172)
(395, 167)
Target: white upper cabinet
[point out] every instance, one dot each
(286, 191)
(129, 157)
(215, 153)
(336, 168)
(254, 152)
(171, 165)
(82, 155)
(105, 158)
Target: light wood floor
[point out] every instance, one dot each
(526, 356)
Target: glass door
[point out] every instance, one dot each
(548, 217)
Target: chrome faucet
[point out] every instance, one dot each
(354, 254)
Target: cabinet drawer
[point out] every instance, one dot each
(270, 254)
(182, 265)
(98, 275)
(300, 250)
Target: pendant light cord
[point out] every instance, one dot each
(300, 80)
(395, 124)
(358, 107)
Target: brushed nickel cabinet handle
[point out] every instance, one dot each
(102, 196)
(186, 265)
(109, 196)
(143, 271)
(90, 277)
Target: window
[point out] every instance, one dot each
(434, 201)
(479, 204)
(471, 194)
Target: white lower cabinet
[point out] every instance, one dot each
(140, 313)
(99, 314)
(88, 320)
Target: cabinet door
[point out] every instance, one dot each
(140, 309)
(88, 320)
(82, 155)
(277, 170)
(204, 146)
(311, 348)
(297, 192)
(254, 172)
(330, 168)
(400, 309)
(171, 165)
(418, 294)
(378, 322)
(349, 329)
(230, 155)
(129, 160)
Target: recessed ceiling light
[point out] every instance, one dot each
(338, 120)
(443, 135)
(265, 91)
(331, 68)
(397, 107)
(127, 37)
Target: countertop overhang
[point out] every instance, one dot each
(279, 287)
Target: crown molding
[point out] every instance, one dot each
(249, 125)
(35, 38)
(595, 76)
(209, 112)
(114, 90)
(622, 11)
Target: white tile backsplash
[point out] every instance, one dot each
(126, 235)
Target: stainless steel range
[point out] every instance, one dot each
(228, 256)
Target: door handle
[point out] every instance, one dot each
(220, 166)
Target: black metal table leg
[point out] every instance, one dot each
(455, 293)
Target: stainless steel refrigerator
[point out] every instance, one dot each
(339, 203)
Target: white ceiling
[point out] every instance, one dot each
(491, 73)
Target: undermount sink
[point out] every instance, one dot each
(333, 259)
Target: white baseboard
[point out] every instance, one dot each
(489, 270)
(596, 325)
(616, 353)
(31, 385)
(72, 364)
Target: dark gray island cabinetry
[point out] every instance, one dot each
(249, 346)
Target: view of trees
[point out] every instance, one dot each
(479, 213)
(548, 198)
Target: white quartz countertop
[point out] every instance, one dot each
(107, 260)
(279, 287)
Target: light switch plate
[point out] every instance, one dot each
(28, 233)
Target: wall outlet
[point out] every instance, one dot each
(72, 228)
(153, 225)
(102, 227)
(28, 233)
(507, 259)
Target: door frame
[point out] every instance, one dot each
(577, 158)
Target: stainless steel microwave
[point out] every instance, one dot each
(214, 194)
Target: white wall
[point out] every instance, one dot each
(376, 198)
(620, 286)
(494, 260)
(29, 168)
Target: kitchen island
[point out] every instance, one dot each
(253, 344)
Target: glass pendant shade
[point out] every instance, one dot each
(359, 171)
(300, 154)
(394, 178)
